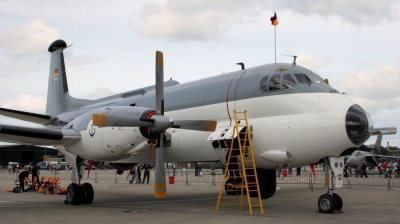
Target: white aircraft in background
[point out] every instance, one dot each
(296, 119)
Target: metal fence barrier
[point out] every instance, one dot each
(215, 176)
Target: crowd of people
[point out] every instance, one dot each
(385, 169)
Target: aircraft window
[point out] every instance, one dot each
(302, 78)
(315, 78)
(275, 82)
(287, 81)
(263, 83)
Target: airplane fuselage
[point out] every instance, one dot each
(307, 118)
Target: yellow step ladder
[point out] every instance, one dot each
(241, 166)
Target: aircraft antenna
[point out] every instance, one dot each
(294, 58)
(241, 64)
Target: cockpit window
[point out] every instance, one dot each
(287, 81)
(264, 83)
(302, 78)
(315, 78)
(275, 82)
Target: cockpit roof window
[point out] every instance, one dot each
(288, 81)
(275, 82)
(264, 83)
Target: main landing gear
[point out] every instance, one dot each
(330, 202)
(76, 193)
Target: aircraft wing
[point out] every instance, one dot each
(384, 131)
(37, 136)
(26, 116)
(386, 157)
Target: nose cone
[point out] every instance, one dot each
(358, 125)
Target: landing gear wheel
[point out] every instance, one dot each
(266, 182)
(326, 203)
(87, 193)
(339, 202)
(73, 194)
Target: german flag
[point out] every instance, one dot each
(274, 20)
(55, 74)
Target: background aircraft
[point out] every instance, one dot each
(296, 119)
(371, 158)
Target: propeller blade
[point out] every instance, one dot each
(195, 125)
(159, 83)
(160, 188)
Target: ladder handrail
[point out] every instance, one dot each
(243, 149)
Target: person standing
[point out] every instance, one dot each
(345, 170)
(196, 169)
(380, 169)
(384, 167)
(131, 175)
(138, 174)
(364, 170)
(298, 171)
(356, 169)
(36, 173)
(173, 168)
(200, 170)
(146, 168)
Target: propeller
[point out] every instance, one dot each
(160, 188)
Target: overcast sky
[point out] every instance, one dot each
(355, 44)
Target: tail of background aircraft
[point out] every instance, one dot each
(377, 146)
(58, 98)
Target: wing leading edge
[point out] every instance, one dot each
(26, 116)
(37, 136)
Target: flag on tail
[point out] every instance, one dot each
(274, 20)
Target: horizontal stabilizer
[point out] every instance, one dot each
(26, 116)
(37, 136)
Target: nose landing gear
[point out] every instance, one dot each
(331, 202)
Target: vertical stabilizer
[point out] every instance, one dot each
(377, 146)
(58, 87)
(58, 98)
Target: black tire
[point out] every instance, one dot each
(87, 193)
(73, 194)
(266, 182)
(326, 203)
(338, 201)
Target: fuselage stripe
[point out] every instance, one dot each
(227, 98)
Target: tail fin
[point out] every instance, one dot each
(377, 146)
(58, 98)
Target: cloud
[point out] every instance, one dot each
(199, 20)
(193, 19)
(309, 61)
(356, 12)
(100, 92)
(31, 39)
(376, 89)
(27, 102)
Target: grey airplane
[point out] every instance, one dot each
(371, 159)
(296, 118)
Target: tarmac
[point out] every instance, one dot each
(196, 203)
